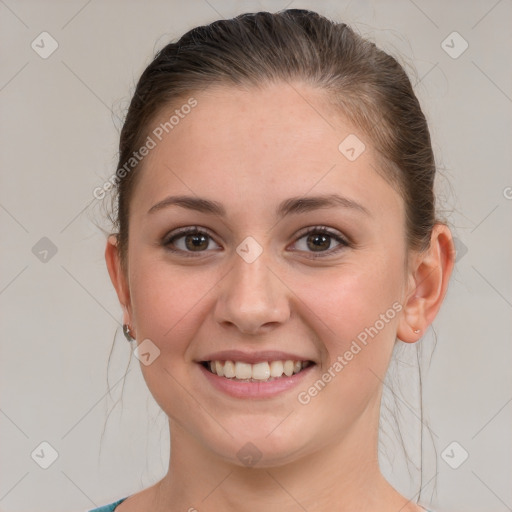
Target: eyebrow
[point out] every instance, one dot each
(294, 205)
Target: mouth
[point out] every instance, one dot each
(259, 372)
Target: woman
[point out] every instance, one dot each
(275, 237)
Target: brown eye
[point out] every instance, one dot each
(189, 240)
(196, 242)
(321, 241)
(318, 242)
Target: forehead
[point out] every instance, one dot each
(256, 145)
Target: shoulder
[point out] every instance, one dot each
(108, 508)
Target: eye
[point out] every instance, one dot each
(320, 240)
(189, 240)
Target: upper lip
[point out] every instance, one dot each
(253, 357)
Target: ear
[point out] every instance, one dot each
(429, 274)
(118, 278)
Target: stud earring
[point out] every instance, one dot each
(416, 331)
(127, 332)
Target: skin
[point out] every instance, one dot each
(251, 149)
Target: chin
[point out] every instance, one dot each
(261, 447)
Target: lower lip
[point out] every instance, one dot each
(268, 389)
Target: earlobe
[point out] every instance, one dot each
(118, 277)
(428, 282)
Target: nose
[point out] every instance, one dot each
(252, 298)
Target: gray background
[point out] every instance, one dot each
(59, 129)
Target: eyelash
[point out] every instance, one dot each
(319, 230)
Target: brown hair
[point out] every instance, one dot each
(369, 86)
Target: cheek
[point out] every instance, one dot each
(168, 307)
(169, 302)
(352, 298)
(355, 308)
(355, 314)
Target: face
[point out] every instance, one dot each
(280, 248)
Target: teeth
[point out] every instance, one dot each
(229, 369)
(288, 368)
(219, 369)
(276, 368)
(243, 370)
(260, 371)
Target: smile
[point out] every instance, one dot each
(264, 371)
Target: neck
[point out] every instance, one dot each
(339, 476)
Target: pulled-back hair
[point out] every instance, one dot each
(364, 84)
(368, 86)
